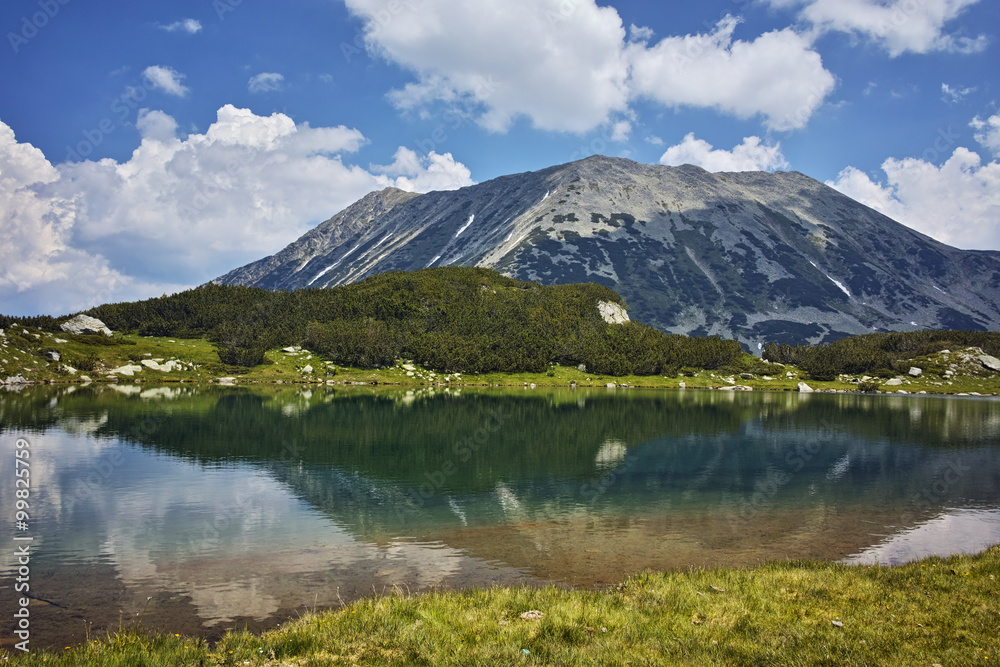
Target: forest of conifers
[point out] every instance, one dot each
(474, 320)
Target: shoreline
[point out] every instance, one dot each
(934, 610)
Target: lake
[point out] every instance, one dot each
(198, 509)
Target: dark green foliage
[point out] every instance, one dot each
(366, 343)
(869, 386)
(881, 354)
(42, 322)
(448, 319)
(85, 364)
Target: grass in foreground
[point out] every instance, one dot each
(941, 611)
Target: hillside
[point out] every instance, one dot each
(753, 256)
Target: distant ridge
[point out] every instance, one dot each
(754, 256)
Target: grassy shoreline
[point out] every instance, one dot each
(937, 611)
(27, 356)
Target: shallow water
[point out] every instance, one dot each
(203, 509)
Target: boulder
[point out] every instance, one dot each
(128, 370)
(916, 372)
(894, 382)
(612, 312)
(163, 368)
(15, 379)
(992, 363)
(84, 324)
(805, 389)
(53, 355)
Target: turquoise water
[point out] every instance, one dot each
(202, 509)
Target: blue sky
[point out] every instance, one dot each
(146, 147)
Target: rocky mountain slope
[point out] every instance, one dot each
(754, 256)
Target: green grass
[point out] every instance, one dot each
(24, 354)
(937, 611)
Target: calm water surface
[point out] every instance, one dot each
(234, 507)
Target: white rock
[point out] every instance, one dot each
(612, 312)
(307, 369)
(916, 372)
(128, 370)
(53, 355)
(989, 362)
(54, 340)
(894, 382)
(84, 324)
(163, 368)
(226, 380)
(805, 389)
(69, 369)
(409, 367)
(288, 350)
(15, 379)
(611, 385)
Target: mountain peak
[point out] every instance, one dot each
(753, 255)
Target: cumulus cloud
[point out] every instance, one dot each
(560, 64)
(571, 66)
(777, 75)
(957, 203)
(37, 255)
(266, 82)
(751, 155)
(166, 79)
(988, 132)
(415, 174)
(190, 26)
(180, 211)
(899, 26)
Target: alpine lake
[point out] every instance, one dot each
(198, 509)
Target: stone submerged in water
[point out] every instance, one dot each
(84, 324)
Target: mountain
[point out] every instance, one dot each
(754, 256)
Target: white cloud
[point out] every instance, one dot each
(415, 174)
(179, 211)
(640, 34)
(957, 203)
(621, 130)
(166, 79)
(778, 75)
(954, 95)
(899, 26)
(988, 132)
(566, 65)
(37, 256)
(750, 155)
(190, 26)
(266, 82)
(561, 64)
